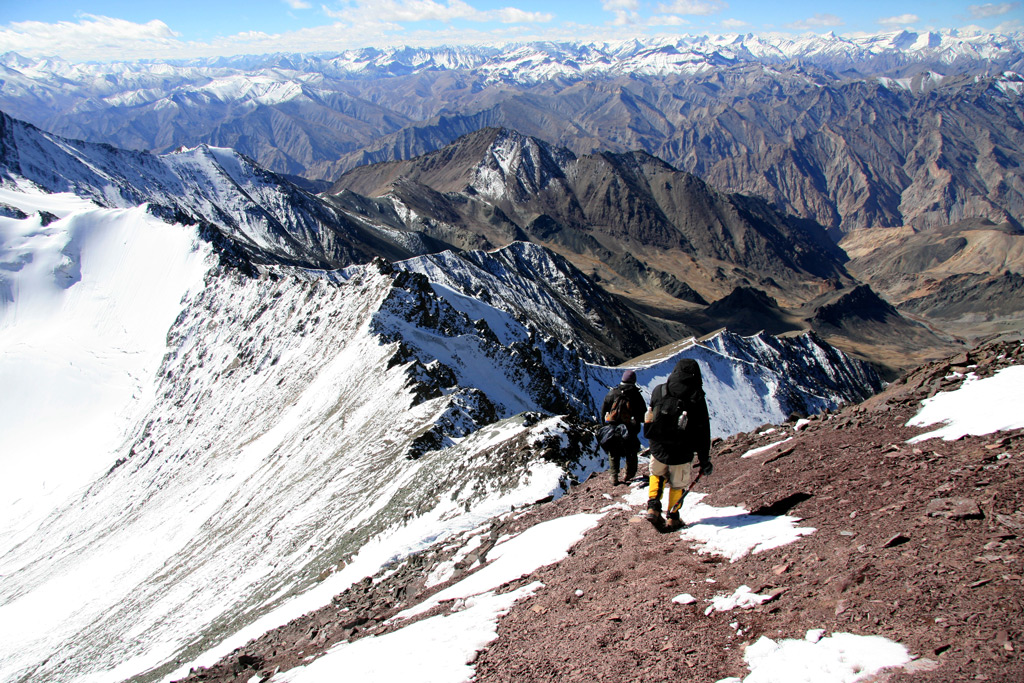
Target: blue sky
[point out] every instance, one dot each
(122, 29)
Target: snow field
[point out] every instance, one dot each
(85, 304)
(840, 658)
(979, 406)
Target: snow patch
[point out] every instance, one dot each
(439, 649)
(761, 449)
(979, 406)
(841, 658)
(536, 547)
(742, 598)
(730, 531)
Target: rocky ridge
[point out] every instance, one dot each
(921, 543)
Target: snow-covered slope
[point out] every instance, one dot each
(287, 409)
(303, 428)
(86, 298)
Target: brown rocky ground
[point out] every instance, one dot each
(920, 543)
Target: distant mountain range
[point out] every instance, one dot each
(662, 238)
(889, 130)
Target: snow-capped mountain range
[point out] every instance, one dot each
(532, 62)
(851, 132)
(208, 424)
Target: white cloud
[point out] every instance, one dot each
(624, 18)
(898, 21)
(89, 35)
(698, 7)
(298, 4)
(666, 20)
(1012, 26)
(412, 11)
(404, 11)
(105, 39)
(612, 5)
(990, 9)
(734, 24)
(512, 15)
(816, 23)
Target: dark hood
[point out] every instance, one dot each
(685, 381)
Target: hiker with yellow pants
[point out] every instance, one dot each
(678, 427)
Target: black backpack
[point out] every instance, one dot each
(612, 437)
(671, 417)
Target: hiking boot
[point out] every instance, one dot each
(674, 522)
(615, 478)
(654, 514)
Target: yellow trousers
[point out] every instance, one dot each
(678, 479)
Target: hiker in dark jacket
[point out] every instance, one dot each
(630, 415)
(672, 449)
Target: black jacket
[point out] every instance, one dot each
(685, 383)
(635, 401)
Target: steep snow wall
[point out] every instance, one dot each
(86, 298)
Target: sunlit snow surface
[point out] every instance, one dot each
(979, 406)
(435, 650)
(742, 598)
(85, 304)
(732, 531)
(538, 546)
(438, 648)
(840, 658)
